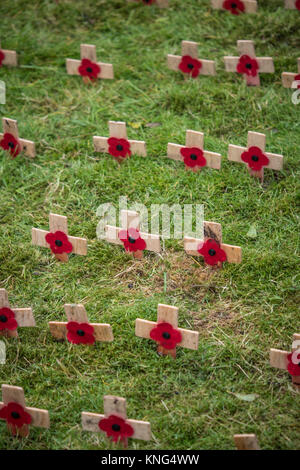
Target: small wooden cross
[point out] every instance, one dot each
(165, 331)
(58, 240)
(8, 58)
(17, 415)
(188, 63)
(130, 237)
(254, 156)
(114, 422)
(117, 144)
(288, 78)
(235, 7)
(211, 248)
(192, 154)
(88, 67)
(289, 361)
(248, 64)
(246, 442)
(292, 4)
(13, 318)
(11, 142)
(159, 3)
(77, 329)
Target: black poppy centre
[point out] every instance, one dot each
(11, 145)
(89, 69)
(248, 66)
(233, 5)
(212, 252)
(3, 318)
(131, 240)
(166, 335)
(116, 427)
(58, 242)
(15, 415)
(190, 66)
(80, 332)
(254, 158)
(193, 156)
(119, 147)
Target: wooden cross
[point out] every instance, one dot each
(58, 240)
(117, 144)
(286, 360)
(91, 69)
(8, 58)
(288, 78)
(130, 237)
(189, 63)
(17, 415)
(165, 331)
(246, 442)
(235, 6)
(212, 249)
(248, 64)
(11, 142)
(79, 332)
(254, 156)
(159, 3)
(292, 4)
(192, 154)
(114, 422)
(13, 318)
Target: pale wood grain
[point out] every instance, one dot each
(76, 312)
(10, 393)
(130, 219)
(10, 58)
(40, 418)
(142, 429)
(266, 64)
(4, 298)
(278, 358)
(256, 139)
(189, 48)
(10, 126)
(212, 230)
(117, 129)
(288, 79)
(246, 442)
(168, 314)
(24, 317)
(246, 47)
(88, 51)
(250, 5)
(102, 331)
(106, 70)
(194, 139)
(58, 223)
(290, 4)
(152, 240)
(190, 339)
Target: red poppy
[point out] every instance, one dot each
(247, 65)
(132, 240)
(212, 252)
(2, 57)
(234, 6)
(118, 147)
(193, 156)
(190, 65)
(116, 427)
(166, 335)
(255, 158)
(148, 2)
(294, 369)
(80, 333)
(297, 78)
(59, 242)
(89, 69)
(297, 4)
(10, 143)
(7, 319)
(15, 415)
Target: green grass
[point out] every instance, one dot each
(240, 311)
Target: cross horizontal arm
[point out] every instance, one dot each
(79, 245)
(24, 317)
(246, 442)
(288, 79)
(190, 339)
(250, 5)
(233, 253)
(278, 358)
(137, 147)
(10, 58)
(142, 429)
(235, 152)
(231, 63)
(38, 237)
(266, 64)
(40, 418)
(106, 70)
(102, 331)
(290, 4)
(152, 240)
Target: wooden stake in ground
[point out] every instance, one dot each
(159, 3)
(114, 422)
(246, 442)
(192, 154)
(78, 330)
(188, 63)
(289, 361)
(236, 7)
(8, 58)
(130, 237)
(12, 318)
(88, 67)
(214, 252)
(292, 4)
(165, 331)
(58, 240)
(17, 415)
(117, 144)
(254, 156)
(11, 142)
(289, 79)
(248, 64)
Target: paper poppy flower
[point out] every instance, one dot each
(15, 415)
(255, 158)
(116, 427)
(132, 240)
(10, 143)
(190, 65)
(118, 147)
(293, 369)
(297, 78)
(166, 335)
(247, 65)
(80, 333)
(212, 252)
(193, 156)
(7, 319)
(148, 2)
(89, 69)
(234, 6)
(2, 57)
(297, 4)
(59, 242)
